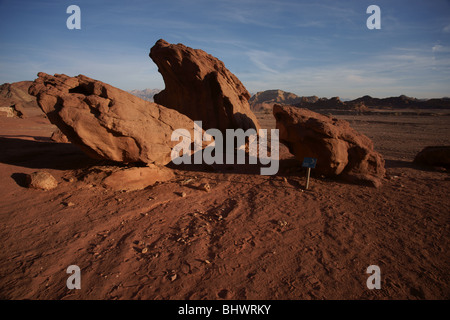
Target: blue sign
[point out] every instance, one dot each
(309, 162)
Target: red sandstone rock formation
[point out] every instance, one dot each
(106, 122)
(199, 86)
(340, 150)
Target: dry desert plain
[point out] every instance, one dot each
(250, 237)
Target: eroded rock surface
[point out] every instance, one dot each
(106, 122)
(201, 87)
(339, 149)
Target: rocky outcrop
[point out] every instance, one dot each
(16, 102)
(434, 156)
(340, 150)
(59, 137)
(199, 86)
(106, 122)
(8, 112)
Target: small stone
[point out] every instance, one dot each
(207, 261)
(41, 180)
(68, 204)
(145, 250)
(206, 187)
(186, 181)
(282, 223)
(173, 277)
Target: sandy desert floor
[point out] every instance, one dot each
(251, 237)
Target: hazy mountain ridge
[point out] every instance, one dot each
(264, 100)
(145, 94)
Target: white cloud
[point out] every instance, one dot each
(440, 48)
(446, 29)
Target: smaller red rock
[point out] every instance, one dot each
(41, 180)
(339, 149)
(133, 179)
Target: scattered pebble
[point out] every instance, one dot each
(206, 187)
(68, 204)
(145, 250)
(282, 223)
(184, 182)
(172, 275)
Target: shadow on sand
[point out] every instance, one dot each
(391, 164)
(40, 153)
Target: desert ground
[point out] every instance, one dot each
(250, 237)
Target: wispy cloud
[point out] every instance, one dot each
(272, 62)
(440, 48)
(390, 74)
(446, 29)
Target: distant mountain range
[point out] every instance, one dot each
(146, 94)
(264, 100)
(15, 101)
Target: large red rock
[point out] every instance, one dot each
(339, 149)
(199, 86)
(109, 123)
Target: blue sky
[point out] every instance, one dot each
(318, 47)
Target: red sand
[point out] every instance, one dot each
(251, 237)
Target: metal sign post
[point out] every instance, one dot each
(309, 163)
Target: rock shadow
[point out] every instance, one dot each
(42, 154)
